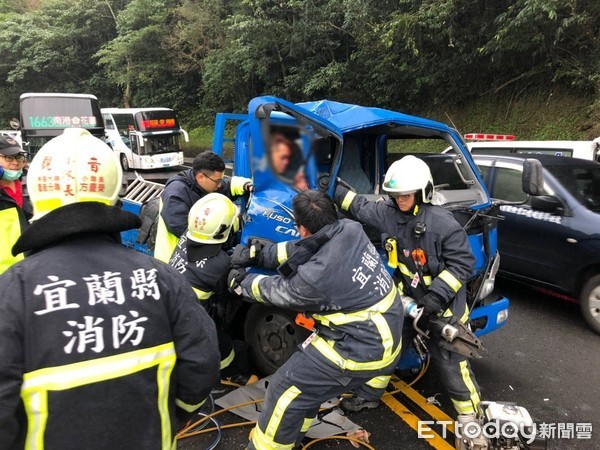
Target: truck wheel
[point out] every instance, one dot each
(272, 335)
(590, 302)
(124, 163)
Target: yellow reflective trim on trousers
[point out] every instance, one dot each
(187, 407)
(282, 252)
(327, 350)
(202, 295)
(450, 280)
(256, 288)
(37, 384)
(11, 231)
(405, 271)
(463, 406)
(358, 316)
(279, 410)
(348, 199)
(464, 371)
(262, 442)
(228, 360)
(306, 424)
(379, 382)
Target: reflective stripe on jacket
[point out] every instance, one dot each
(338, 277)
(450, 260)
(178, 197)
(12, 224)
(98, 343)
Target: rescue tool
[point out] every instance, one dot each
(456, 336)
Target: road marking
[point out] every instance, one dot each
(436, 441)
(419, 400)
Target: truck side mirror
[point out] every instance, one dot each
(533, 177)
(546, 203)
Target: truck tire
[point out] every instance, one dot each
(272, 336)
(590, 302)
(124, 162)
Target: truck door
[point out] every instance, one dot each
(289, 148)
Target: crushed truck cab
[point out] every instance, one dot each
(354, 145)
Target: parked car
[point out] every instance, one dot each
(503, 144)
(551, 240)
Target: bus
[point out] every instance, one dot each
(44, 116)
(144, 138)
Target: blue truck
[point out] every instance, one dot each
(353, 145)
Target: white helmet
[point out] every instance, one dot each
(211, 218)
(407, 175)
(71, 168)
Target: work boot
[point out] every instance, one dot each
(356, 403)
(468, 425)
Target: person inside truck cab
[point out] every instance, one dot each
(186, 188)
(283, 156)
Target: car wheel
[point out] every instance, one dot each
(590, 302)
(272, 335)
(124, 162)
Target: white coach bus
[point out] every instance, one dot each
(144, 138)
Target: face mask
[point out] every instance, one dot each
(11, 175)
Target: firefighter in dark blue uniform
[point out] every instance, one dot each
(185, 189)
(202, 259)
(434, 261)
(352, 299)
(101, 347)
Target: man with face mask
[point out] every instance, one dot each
(13, 219)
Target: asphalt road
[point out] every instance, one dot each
(545, 359)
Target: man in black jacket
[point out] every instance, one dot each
(185, 189)
(434, 263)
(99, 344)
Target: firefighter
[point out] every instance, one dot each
(437, 283)
(201, 257)
(13, 207)
(351, 298)
(185, 189)
(98, 343)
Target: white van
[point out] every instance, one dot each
(144, 138)
(495, 144)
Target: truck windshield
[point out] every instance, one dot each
(582, 182)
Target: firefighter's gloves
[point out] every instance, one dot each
(234, 280)
(241, 185)
(246, 256)
(432, 303)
